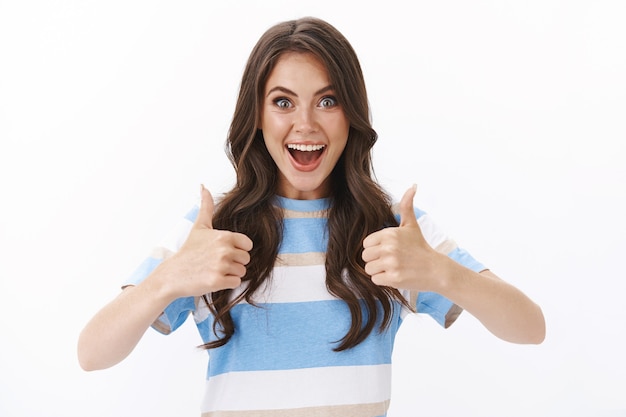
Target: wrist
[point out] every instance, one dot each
(160, 283)
(445, 273)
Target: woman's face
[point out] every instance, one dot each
(304, 128)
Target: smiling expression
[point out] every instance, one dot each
(304, 127)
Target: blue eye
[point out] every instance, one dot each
(328, 101)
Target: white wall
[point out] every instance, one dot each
(510, 116)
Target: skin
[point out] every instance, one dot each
(400, 257)
(209, 260)
(299, 108)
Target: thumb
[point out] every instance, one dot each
(407, 214)
(205, 215)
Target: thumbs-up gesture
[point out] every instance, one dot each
(400, 257)
(209, 260)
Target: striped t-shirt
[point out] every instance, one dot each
(280, 360)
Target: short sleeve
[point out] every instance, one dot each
(177, 312)
(435, 305)
(444, 311)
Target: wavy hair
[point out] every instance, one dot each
(359, 205)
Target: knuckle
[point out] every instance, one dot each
(394, 263)
(377, 279)
(241, 270)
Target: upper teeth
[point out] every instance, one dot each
(305, 148)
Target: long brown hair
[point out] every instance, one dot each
(359, 205)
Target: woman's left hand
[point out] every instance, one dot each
(400, 257)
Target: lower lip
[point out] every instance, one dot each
(306, 168)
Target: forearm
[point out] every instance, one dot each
(112, 334)
(502, 308)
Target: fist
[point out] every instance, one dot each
(210, 260)
(400, 257)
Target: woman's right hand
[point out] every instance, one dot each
(209, 260)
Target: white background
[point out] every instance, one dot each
(509, 115)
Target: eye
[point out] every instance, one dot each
(282, 103)
(328, 101)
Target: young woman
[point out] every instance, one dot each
(299, 277)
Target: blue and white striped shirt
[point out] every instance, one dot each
(280, 360)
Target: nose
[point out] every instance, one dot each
(305, 122)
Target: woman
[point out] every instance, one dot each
(300, 276)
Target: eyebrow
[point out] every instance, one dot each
(292, 93)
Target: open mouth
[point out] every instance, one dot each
(305, 155)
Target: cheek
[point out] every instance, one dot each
(341, 129)
(273, 117)
(341, 125)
